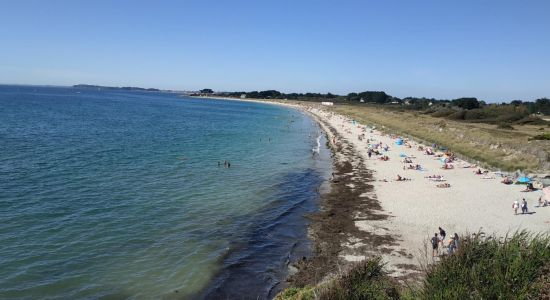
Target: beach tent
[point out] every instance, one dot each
(524, 179)
(402, 155)
(399, 142)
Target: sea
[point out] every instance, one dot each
(127, 195)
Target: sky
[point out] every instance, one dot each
(492, 50)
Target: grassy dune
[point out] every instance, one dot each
(505, 149)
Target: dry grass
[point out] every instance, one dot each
(486, 144)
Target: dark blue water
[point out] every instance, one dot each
(119, 194)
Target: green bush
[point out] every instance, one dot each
(367, 280)
(491, 268)
(293, 293)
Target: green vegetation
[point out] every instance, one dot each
(367, 280)
(466, 109)
(305, 293)
(515, 267)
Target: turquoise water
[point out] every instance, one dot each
(119, 194)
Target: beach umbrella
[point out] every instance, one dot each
(524, 179)
(399, 142)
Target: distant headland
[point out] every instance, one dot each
(125, 88)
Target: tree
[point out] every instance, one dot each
(206, 91)
(466, 103)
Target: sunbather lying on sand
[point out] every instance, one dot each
(434, 176)
(399, 178)
(443, 185)
(529, 188)
(447, 167)
(507, 180)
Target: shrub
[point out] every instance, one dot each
(368, 280)
(443, 113)
(491, 268)
(532, 120)
(293, 293)
(459, 115)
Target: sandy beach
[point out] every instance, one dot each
(369, 213)
(417, 207)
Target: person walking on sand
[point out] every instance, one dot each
(515, 207)
(435, 245)
(524, 206)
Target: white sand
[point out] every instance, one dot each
(418, 207)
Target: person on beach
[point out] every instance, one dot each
(435, 245)
(442, 235)
(456, 241)
(524, 206)
(515, 206)
(452, 245)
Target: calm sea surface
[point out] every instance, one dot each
(119, 194)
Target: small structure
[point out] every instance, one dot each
(327, 103)
(243, 96)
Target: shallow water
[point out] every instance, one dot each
(119, 194)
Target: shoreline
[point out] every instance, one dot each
(367, 213)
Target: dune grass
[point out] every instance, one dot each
(514, 267)
(501, 148)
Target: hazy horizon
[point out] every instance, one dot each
(495, 50)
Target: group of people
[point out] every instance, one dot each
(438, 242)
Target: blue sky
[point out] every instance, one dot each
(493, 50)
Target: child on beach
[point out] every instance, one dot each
(515, 207)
